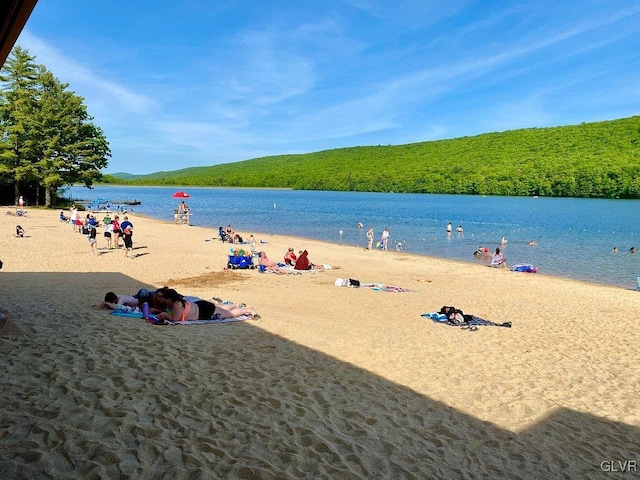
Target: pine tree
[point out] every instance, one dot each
(19, 92)
(47, 134)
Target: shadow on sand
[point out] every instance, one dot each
(89, 394)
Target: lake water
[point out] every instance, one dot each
(575, 236)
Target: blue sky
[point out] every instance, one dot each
(176, 84)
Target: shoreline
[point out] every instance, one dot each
(391, 251)
(332, 381)
(581, 253)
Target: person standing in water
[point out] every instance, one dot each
(384, 240)
(370, 237)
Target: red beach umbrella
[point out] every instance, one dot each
(181, 194)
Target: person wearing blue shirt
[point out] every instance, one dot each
(126, 223)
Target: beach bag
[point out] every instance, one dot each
(353, 282)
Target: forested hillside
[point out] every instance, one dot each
(589, 160)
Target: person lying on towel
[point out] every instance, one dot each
(269, 265)
(183, 310)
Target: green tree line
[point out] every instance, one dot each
(597, 160)
(47, 138)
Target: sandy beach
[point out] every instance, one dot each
(331, 382)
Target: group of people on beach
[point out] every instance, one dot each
(229, 235)
(383, 244)
(113, 230)
(292, 263)
(20, 211)
(167, 304)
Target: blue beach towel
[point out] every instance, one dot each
(120, 313)
(436, 317)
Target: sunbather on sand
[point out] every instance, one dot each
(157, 303)
(112, 301)
(183, 310)
(153, 299)
(269, 265)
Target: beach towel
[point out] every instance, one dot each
(386, 288)
(155, 321)
(133, 313)
(470, 321)
(122, 313)
(524, 267)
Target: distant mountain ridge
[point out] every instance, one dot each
(599, 159)
(124, 175)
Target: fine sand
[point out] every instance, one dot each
(331, 382)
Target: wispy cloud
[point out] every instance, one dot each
(98, 90)
(409, 12)
(269, 73)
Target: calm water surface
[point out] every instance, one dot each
(575, 236)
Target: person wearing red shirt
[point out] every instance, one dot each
(290, 257)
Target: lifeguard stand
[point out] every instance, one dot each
(182, 217)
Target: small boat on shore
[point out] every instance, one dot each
(107, 207)
(126, 202)
(103, 205)
(112, 202)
